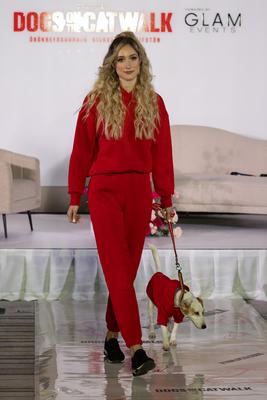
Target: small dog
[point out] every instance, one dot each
(164, 293)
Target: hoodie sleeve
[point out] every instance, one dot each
(162, 163)
(82, 155)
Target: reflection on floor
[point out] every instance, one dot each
(226, 361)
(17, 350)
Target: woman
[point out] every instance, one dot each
(122, 135)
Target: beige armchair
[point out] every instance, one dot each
(19, 184)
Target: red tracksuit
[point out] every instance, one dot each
(120, 199)
(161, 291)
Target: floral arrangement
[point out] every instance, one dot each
(158, 226)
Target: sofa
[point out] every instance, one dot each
(204, 159)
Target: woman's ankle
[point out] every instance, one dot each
(111, 335)
(134, 348)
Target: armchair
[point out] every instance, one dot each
(19, 184)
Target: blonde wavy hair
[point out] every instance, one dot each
(110, 108)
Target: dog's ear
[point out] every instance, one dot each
(184, 307)
(201, 301)
(186, 302)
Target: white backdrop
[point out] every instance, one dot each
(205, 77)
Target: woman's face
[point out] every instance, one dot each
(127, 64)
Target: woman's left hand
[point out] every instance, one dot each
(168, 213)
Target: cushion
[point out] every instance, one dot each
(23, 189)
(221, 189)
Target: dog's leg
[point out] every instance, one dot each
(175, 358)
(151, 329)
(173, 334)
(165, 337)
(156, 258)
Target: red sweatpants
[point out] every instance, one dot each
(120, 209)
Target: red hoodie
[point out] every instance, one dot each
(161, 291)
(93, 154)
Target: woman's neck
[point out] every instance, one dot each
(128, 85)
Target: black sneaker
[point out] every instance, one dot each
(112, 351)
(141, 363)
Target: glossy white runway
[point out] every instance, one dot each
(228, 360)
(224, 260)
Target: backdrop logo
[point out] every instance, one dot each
(199, 20)
(91, 22)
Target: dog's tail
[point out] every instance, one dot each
(155, 255)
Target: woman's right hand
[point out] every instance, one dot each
(72, 214)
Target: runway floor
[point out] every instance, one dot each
(53, 350)
(226, 361)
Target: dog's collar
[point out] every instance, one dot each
(181, 296)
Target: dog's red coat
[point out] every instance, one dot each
(161, 290)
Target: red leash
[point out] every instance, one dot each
(157, 208)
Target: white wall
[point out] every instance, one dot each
(206, 78)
